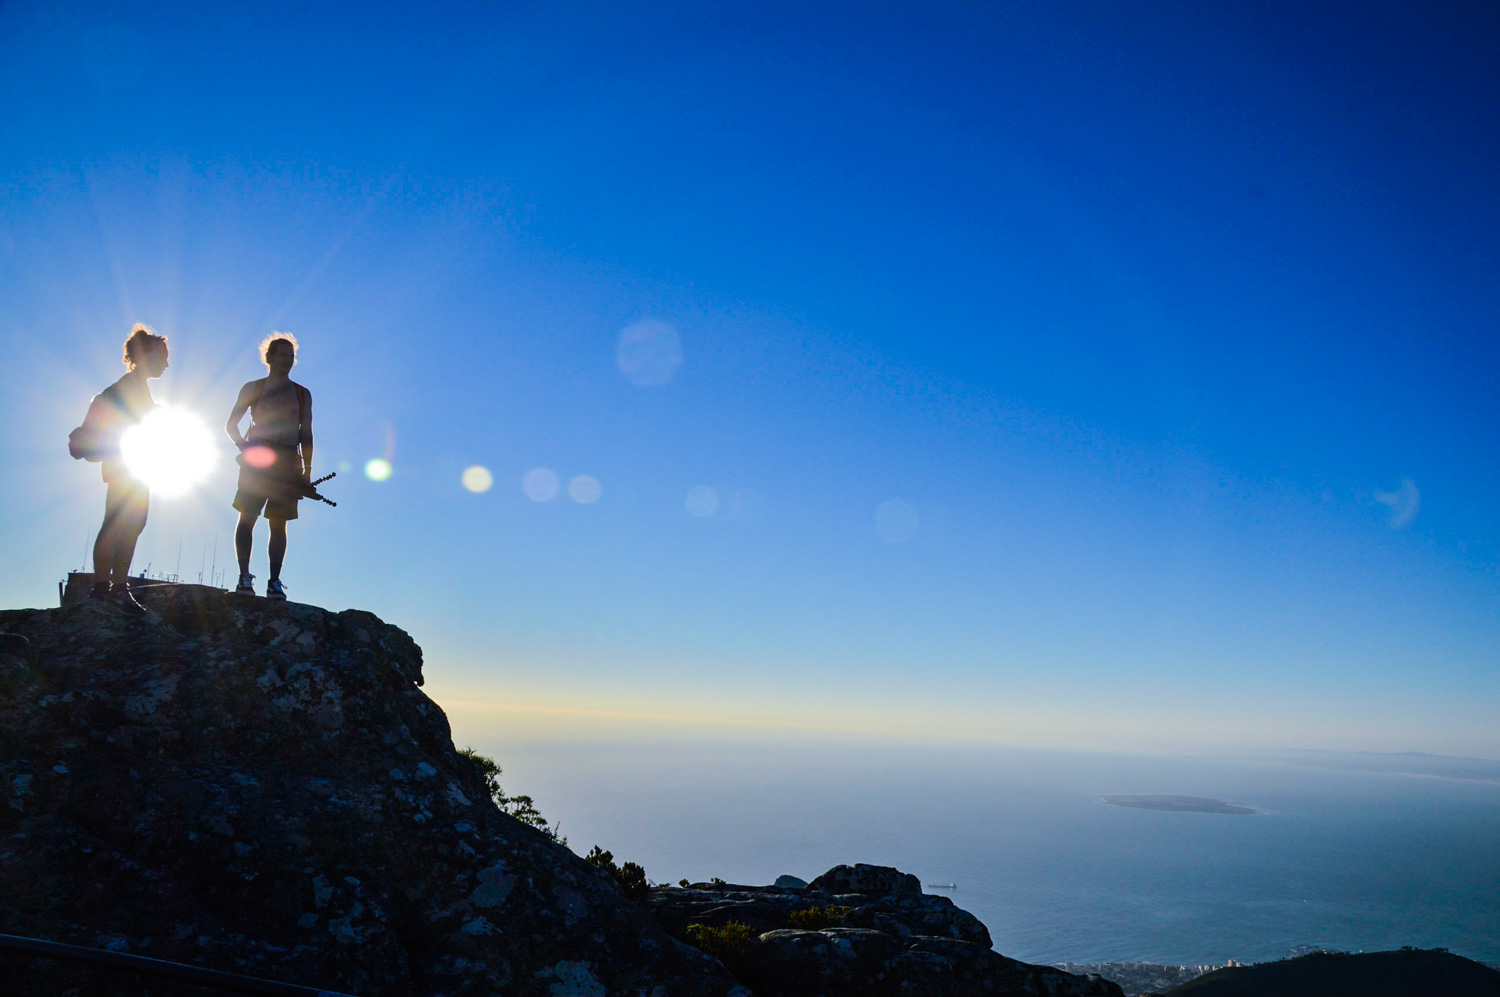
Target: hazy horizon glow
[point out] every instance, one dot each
(1060, 374)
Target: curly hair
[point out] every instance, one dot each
(265, 345)
(141, 339)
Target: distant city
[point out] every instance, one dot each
(1137, 978)
(1141, 977)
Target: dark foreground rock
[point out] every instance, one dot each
(889, 940)
(1404, 973)
(262, 788)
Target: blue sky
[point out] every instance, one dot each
(1086, 374)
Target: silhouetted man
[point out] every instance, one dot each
(275, 457)
(126, 499)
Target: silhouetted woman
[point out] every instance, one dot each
(114, 410)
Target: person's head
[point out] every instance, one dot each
(145, 350)
(278, 351)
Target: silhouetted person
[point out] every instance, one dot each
(127, 499)
(275, 457)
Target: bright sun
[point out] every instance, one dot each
(170, 450)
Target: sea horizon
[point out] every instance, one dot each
(1332, 857)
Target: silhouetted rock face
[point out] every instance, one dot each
(1405, 973)
(261, 788)
(891, 940)
(876, 880)
(765, 908)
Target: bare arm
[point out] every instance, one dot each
(305, 434)
(241, 406)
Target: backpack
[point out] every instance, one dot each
(89, 441)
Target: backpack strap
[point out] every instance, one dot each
(303, 433)
(111, 395)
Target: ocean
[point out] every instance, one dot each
(1334, 858)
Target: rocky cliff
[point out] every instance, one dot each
(262, 788)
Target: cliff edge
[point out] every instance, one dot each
(262, 788)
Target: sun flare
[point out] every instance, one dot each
(170, 450)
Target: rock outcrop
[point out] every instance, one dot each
(885, 938)
(261, 788)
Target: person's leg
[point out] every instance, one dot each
(276, 549)
(133, 503)
(104, 542)
(244, 540)
(132, 520)
(244, 544)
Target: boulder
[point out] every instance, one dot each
(812, 963)
(889, 942)
(766, 908)
(790, 883)
(874, 880)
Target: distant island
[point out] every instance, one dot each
(1179, 804)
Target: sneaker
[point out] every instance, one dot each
(126, 601)
(100, 591)
(275, 590)
(246, 585)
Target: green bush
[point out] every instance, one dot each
(630, 876)
(522, 808)
(816, 918)
(729, 944)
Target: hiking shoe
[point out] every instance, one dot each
(246, 585)
(99, 591)
(275, 590)
(127, 602)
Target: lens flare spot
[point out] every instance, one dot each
(702, 501)
(896, 521)
(170, 450)
(1404, 504)
(378, 469)
(585, 489)
(478, 479)
(648, 353)
(540, 484)
(261, 457)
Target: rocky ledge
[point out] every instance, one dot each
(261, 788)
(882, 936)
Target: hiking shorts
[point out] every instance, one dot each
(274, 490)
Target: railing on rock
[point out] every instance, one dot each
(125, 962)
